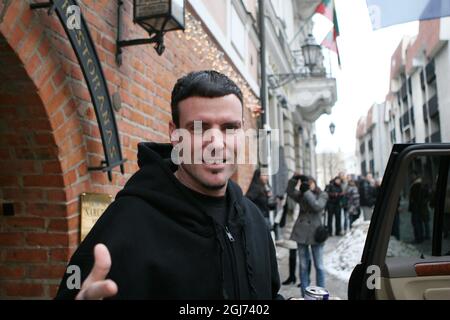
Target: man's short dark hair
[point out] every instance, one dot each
(207, 84)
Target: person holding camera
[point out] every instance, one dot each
(306, 231)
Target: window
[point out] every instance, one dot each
(237, 33)
(424, 199)
(430, 71)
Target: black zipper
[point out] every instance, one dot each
(230, 246)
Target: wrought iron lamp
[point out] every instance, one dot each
(156, 17)
(311, 52)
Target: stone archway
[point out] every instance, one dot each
(43, 165)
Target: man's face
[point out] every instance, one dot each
(216, 115)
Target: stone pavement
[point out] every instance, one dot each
(336, 287)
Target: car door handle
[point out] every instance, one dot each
(432, 269)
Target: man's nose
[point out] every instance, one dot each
(215, 139)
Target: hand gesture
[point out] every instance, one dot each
(95, 287)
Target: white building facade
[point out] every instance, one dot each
(417, 107)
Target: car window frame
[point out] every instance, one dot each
(392, 184)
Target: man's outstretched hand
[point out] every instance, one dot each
(95, 287)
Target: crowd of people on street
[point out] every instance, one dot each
(303, 218)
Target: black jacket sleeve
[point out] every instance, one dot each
(111, 229)
(294, 194)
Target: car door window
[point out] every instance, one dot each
(412, 230)
(446, 222)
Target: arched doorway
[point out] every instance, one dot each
(42, 169)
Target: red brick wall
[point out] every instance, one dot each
(49, 135)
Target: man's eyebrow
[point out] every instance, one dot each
(193, 122)
(235, 123)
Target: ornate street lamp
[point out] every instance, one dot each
(311, 52)
(156, 17)
(332, 128)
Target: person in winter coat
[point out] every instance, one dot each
(354, 210)
(334, 206)
(260, 193)
(290, 215)
(367, 194)
(418, 206)
(312, 203)
(181, 230)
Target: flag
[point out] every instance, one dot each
(384, 13)
(326, 8)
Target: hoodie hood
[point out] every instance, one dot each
(156, 183)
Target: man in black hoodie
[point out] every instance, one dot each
(182, 231)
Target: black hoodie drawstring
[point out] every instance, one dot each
(222, 274)
(251, 279)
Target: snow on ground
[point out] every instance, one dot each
(347, 254)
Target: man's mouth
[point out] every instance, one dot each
(216, 161)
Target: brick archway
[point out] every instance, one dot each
(43, 166)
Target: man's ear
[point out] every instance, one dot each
(172, 128)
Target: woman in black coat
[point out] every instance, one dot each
(260, 194)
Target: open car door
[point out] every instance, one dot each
(407, 249)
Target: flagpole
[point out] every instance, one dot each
(262, 41)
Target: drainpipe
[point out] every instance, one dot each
(262, 41)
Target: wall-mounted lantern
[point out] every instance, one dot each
(332, 128)
(311, 52)
(156, 17)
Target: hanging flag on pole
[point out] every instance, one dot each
(384, 13)
(327, 8)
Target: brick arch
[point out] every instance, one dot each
(43, 166)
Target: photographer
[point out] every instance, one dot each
(312, 202)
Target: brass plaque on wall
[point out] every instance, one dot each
(92, 207)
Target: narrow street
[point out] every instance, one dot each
(336, 286)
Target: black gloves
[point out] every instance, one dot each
(305, 182)
(304, 187)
